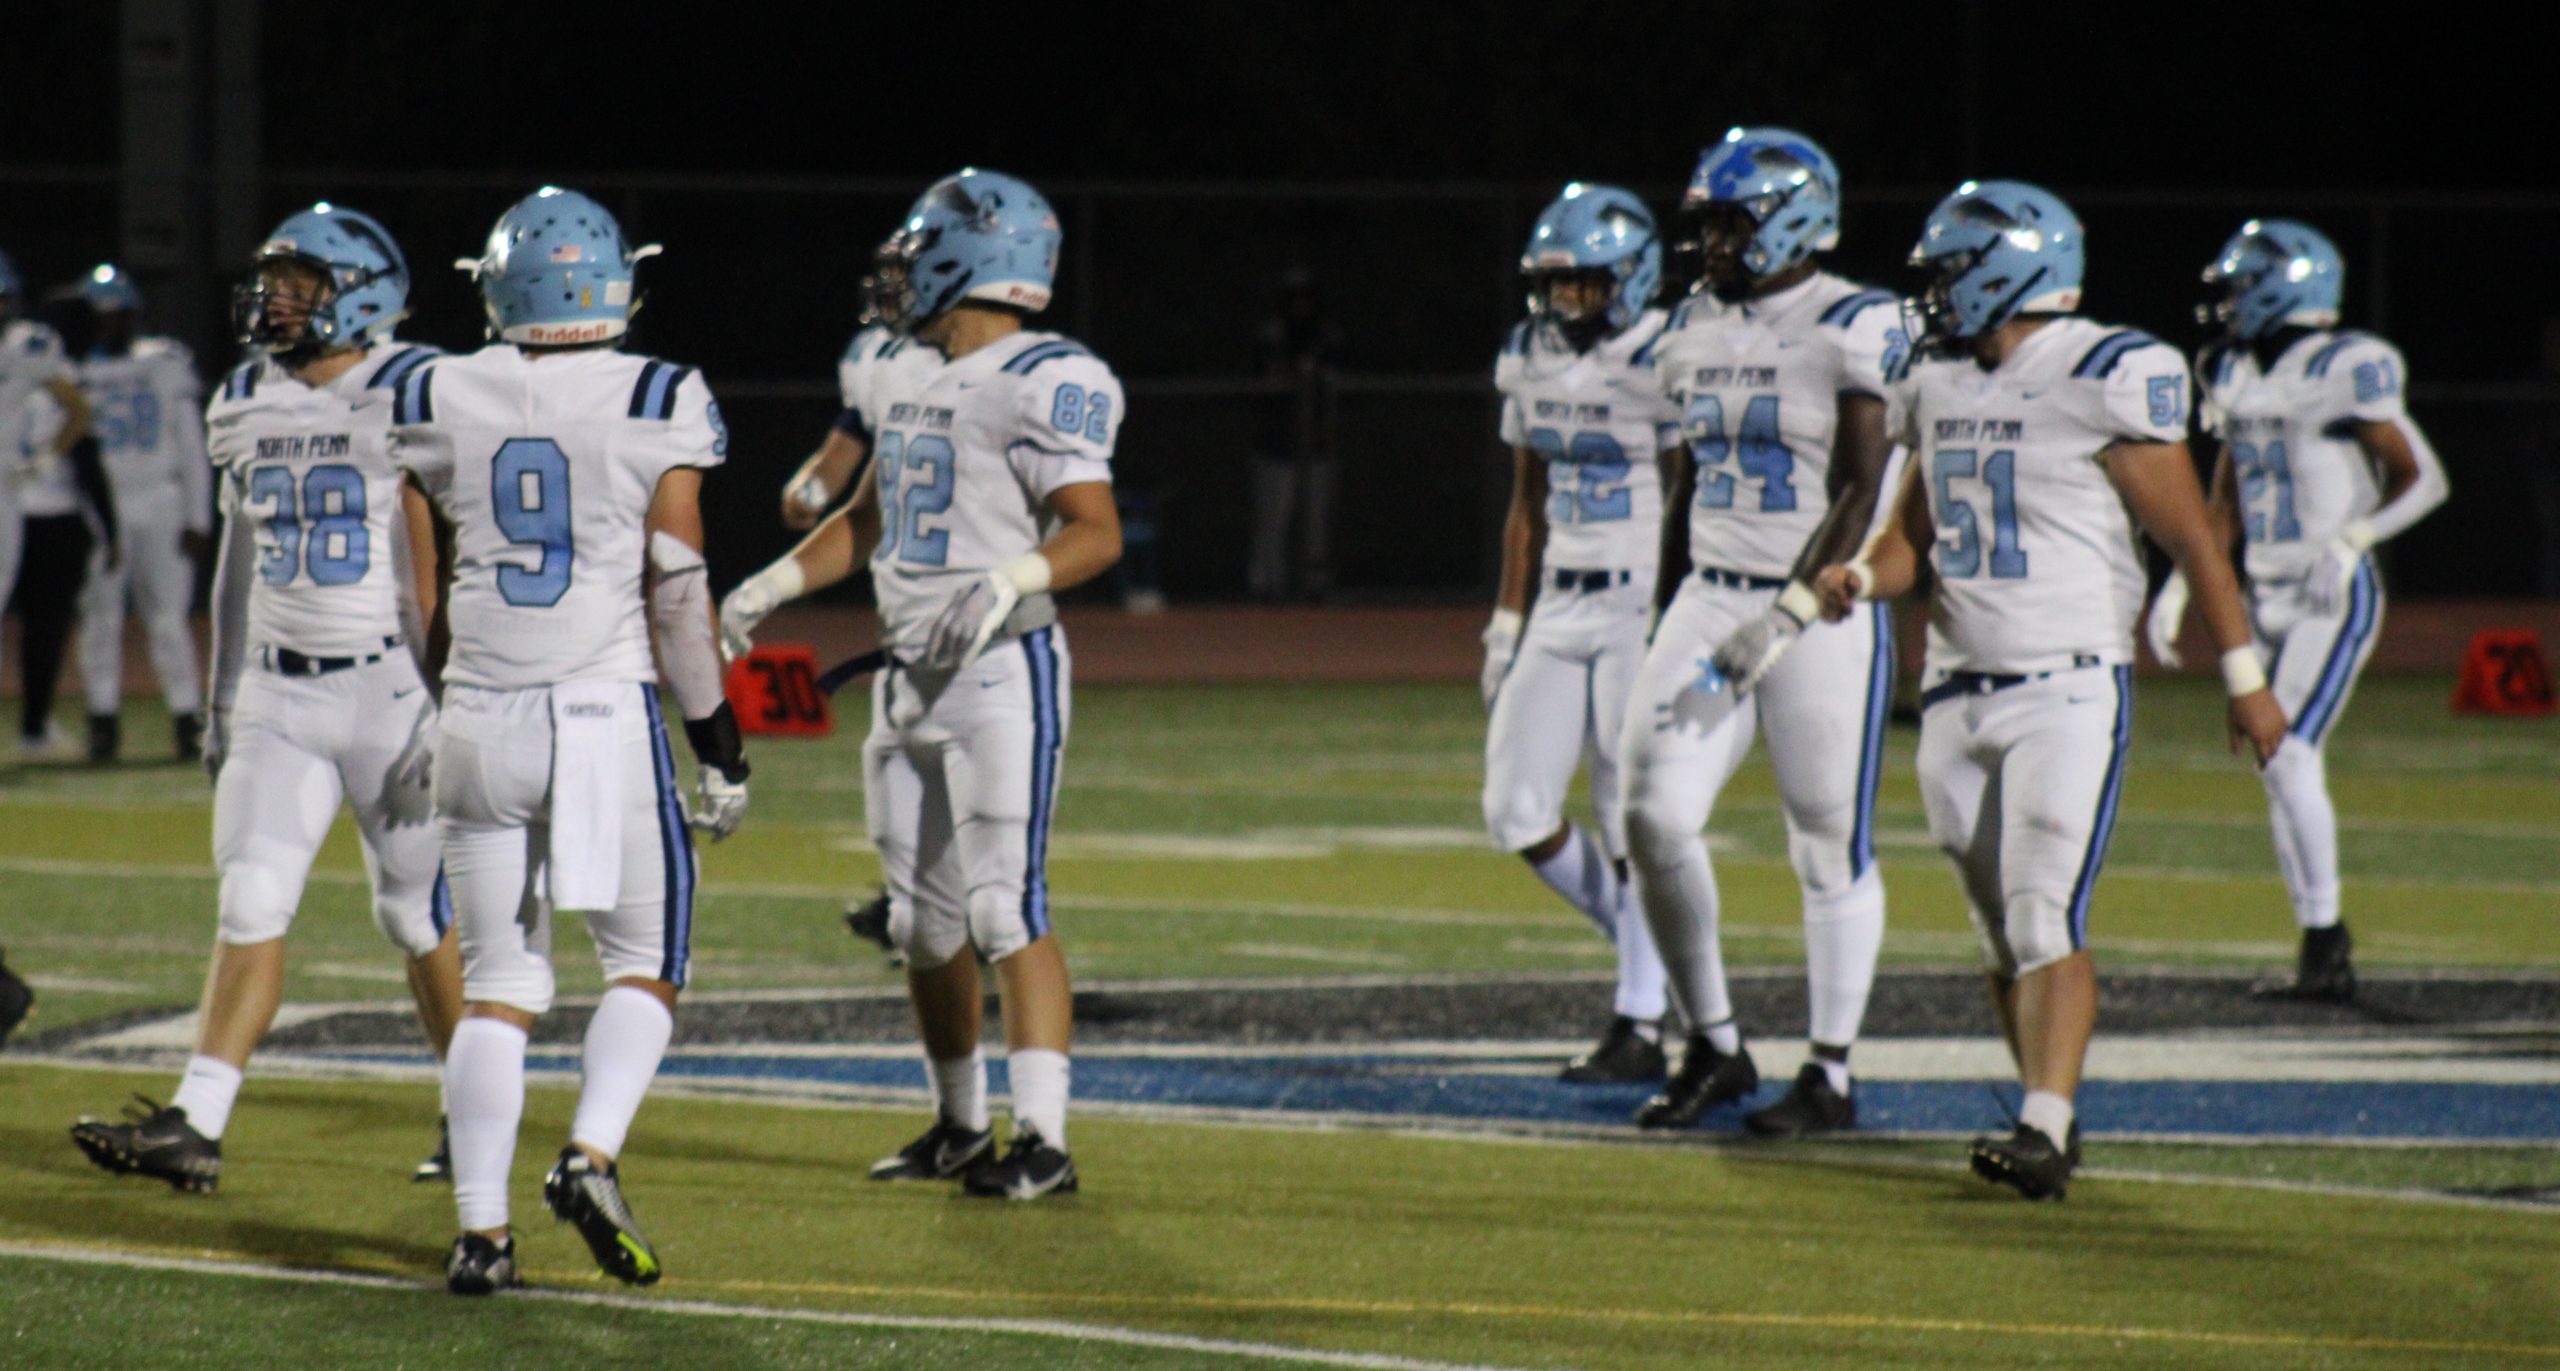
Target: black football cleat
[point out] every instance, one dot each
(1706, 1078)
(1809, 1106)
(106, 738)
(946, 1152)
(155, 1140)
(439, 1165)
(2322, 974)
(589, 1197)
(477, 1266)
(1623, 1054)
(2027, 1161)
(1030, 1169)
(869, 921)
(186, 732)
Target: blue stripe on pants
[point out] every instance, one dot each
(2338, 674)
(675, 850)
(1040, 651)
(1862, 840)
(440, 904)
(2108, 795)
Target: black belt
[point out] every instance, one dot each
(1985, 682)
(1563, 578)
(1718, 576)
(287, 662)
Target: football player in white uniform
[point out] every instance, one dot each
(992, 490)
(32, 362)
(145, 397)
(2042, 445)
(2320, 462)
(571, 474)
(1584, 423)
(318, 695)
(1777, 368)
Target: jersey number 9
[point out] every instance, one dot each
(529, 491)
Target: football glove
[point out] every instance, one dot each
(2168, 613)
(973, 617)
(721, 805)
(2324, 591)
(754, 598)
(1501, 645)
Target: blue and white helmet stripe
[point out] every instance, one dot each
(973, 235)
(1995, 250)
(557, 272)
(368, 274)
(1787, 184)
(1594, 227)
(2276, 272)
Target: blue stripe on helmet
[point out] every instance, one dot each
(1040, 651)
(2109, 794)
(675, 852)
(2338, 674)
(1862, 836)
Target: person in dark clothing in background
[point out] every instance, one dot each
(1294, 469)
(66, 509)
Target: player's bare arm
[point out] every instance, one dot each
(1679, 487)
(1089, 542)
(2158, 483)
(2169, 606)
(1524, 543)
(835, 549)
(1889, 564)
(75, 413)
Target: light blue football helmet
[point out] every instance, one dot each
(1785, 183)
(2275, 272)
(1594, 228)
(556, 272)
(973, 235)
(1995, 250)
(109, 289)
(368, 282)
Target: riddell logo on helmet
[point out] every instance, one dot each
(1026, 295)
(593, 330)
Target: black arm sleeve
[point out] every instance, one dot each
(716, 742)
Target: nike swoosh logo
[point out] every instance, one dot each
(2031, 395)
(404, 694)
(989, 685)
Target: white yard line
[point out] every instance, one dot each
(1036, 1328)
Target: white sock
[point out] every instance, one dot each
(1680, 909)
(1842, 935)
(484, 1104)
(960, 1090)
(2306, 829)
(1584, 878)
(625, 1042)
(1039, 1080)
(2047, 1113)
(1641, 995)
(206, 1093)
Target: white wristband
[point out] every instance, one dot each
(2241, 672)
(1798, 602)
(1506, 623)
(1862, 579)
(2358, 535)
(784, 579)
(1028, 573)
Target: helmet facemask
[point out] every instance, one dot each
(1576, 303)
(286, 307)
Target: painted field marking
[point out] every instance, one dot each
(211, 1263)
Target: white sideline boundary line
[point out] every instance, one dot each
(1038, 1328)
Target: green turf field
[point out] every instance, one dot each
(1307, 832)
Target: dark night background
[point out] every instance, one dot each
(1195, 151)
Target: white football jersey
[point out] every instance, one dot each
(876, 358)
(967, 454)
(546, 466)
(143, 407)
(310, 468)
(1598, 419)
(2039, 564)
(1757, 387)
(867, 345)
(2290, 431)
(31, 357)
